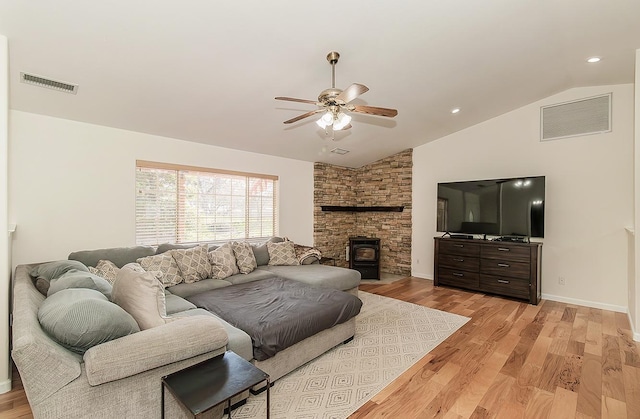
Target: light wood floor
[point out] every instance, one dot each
(511, 360)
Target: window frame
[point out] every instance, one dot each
(177, 168)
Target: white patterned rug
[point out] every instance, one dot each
(391, 335)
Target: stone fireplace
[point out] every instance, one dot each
(383, 184)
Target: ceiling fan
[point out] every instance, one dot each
(334, 103)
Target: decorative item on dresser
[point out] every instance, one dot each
(503, 268)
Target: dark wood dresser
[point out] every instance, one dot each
(502, 268)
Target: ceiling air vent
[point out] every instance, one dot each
(48, 83)
(339, 151)
(580, 117)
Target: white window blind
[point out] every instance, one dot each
(183, 204)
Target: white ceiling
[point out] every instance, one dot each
(208, 71)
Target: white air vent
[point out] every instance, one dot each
(339, 151)
(580, 117)
(48, 83)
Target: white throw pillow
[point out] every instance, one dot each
(193, 263)
(142, 296)
(223, 262)
(282, 253)
(245, 259)
(164, 263)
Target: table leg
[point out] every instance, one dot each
(268, 397)
(229, 407)
(162, 400)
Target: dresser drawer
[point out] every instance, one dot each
(458, 247)
(465, 263)
(518, 288)
(505, 267)
(506, 252)
(458, 278)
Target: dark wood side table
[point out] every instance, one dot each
(203, 386)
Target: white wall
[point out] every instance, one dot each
(5, 380)
(589, 193)
(72, 185)
(634, 240)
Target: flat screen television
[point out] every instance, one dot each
(499, 207)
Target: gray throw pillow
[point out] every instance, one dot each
(80, 279)
(282, 254)
(53, 270)
(245, 259)
(81, 318)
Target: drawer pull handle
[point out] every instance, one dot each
(504, 249)
(458, 260)
(458, 245)
(503, 281)
(458, 274)
(503, 265)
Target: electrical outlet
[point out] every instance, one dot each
(561, 280)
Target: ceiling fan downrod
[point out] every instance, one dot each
(333, 57)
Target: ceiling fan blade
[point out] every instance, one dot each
(292, 99)
(372, 110)
(352, 92)
(304, 115)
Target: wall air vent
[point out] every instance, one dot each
(339, 151)
(580, 117)
(48, 83)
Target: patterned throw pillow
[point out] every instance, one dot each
(282, 253)
(164, 263)
(105, 269)
(223, 262)
(136, 267)
(245, 258)
(306, 254)
(193, 263)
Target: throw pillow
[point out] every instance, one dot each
(245, 259)
(79, 279)
(164, 263)
(193, 263)
(53, 270)
(43, 285)
(81, 318)
(223, 262)
(142, 296)
(306, 254)
(282, 253)
(136, 267)
(105, 269)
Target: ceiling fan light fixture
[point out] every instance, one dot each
(327, 118)
(321, 124)
(342, 120)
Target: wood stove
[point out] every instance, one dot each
(364, 256)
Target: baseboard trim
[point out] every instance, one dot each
(592, 304)
(5, 386)
(636, 335)
(422, 275)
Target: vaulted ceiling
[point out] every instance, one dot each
(209, 71)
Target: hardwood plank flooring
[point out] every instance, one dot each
(511, 360)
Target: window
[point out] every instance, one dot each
(182, 204)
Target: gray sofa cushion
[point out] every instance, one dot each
(255, 275)
(186, 290)
(318, 275)
(175, 304)
(82, 318)
(120, 256)
(239, 341)
(80, 279)
(53, 270)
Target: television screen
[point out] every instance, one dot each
(500, 207)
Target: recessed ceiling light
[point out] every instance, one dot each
(593, 59)
(455, 110)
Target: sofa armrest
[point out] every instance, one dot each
(175, 341)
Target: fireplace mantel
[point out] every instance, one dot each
(362, 209)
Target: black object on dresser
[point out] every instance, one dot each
(503, 268)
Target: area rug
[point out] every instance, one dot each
(391, 335)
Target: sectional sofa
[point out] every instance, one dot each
(121, 377)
